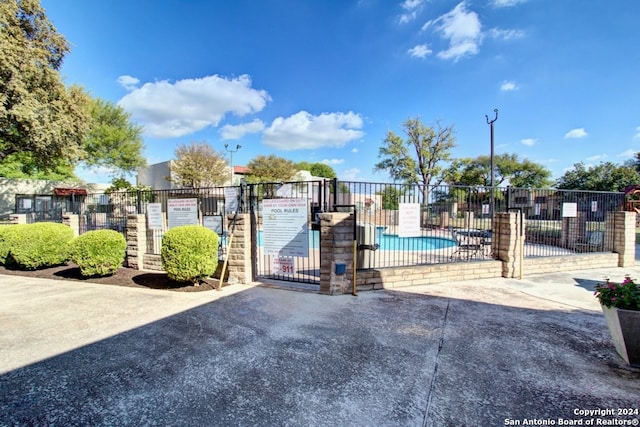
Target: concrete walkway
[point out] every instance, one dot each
(483, 353)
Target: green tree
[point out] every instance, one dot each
(507, 167)
(113, 141)
(391, 196)
(38, 114)
(270, 169)
(23, 165)
(418, 159)
(605, 176)
(198, 165)
(317, 169)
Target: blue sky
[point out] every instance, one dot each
(323, 81)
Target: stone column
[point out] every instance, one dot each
(336, 246)
(624, 237)
(73, 221)
(506, 242)
(136, 240)
(239, 264)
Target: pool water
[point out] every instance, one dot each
(387, 242)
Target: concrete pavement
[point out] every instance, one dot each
(484, 353)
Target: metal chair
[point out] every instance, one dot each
(466, 246)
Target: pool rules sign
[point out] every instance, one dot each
(285, 227)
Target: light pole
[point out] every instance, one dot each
(231, 151)
(492, 205)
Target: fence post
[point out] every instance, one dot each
(239, 262)
(136, 240)
(624, 237)
(73, 221)
(506, 242)
(336, 242)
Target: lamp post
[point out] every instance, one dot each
(231, 151)
(492, 205)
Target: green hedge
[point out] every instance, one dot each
(7, 240)
(42, 244)
(189, 253)
(99, 252)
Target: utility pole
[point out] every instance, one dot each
(492, 203)
(231, 151)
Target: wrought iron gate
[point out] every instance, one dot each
(271, 259)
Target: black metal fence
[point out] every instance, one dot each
(453, 223)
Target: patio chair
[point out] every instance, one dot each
(466, 246)
(594, 243)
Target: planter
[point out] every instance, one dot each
(624, 326)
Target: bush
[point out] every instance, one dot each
(99, 252)
(7, 240)
(189, 253)
(42, 244)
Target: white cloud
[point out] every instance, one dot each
(419, 51)
(628, 154)
(238, 131)
(501, 34)
(463, 30)
(575, 133)
(596, 158)
(128, 82)
(529, 141)
(332, 161)
(168, 110)
(506, 3)
(306, 131)
(349, 174)
(354, 150)
(508, 86)
(637, 135)
(411, 7)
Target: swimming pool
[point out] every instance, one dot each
(388, 242)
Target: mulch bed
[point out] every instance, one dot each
(124, 277)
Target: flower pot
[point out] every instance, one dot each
(624, 326)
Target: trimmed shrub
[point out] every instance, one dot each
(189, 253)
(99, 252)
(42, 244)
(7, 240)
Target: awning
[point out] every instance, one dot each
(70, 191)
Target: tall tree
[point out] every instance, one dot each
(270, 169)
(38, 114)
(198, 165)
(113, 141)
(605, 176)
(418, 159)
(507, 168)
(317, 169)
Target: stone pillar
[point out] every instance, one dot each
(136, 240)
(239, 264)
(444, 219)
(336, 246)
(624, 237)
(506, 242)
(73, 221)
(468, 219)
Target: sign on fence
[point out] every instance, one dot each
(409, 220)
(285, 227)
(213, 223)
(182, 212)
(284, 266)
(154, 216)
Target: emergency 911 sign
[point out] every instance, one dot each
(283, 266)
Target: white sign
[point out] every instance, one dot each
(285, 227)
(485, 209)
(569, 210)
(182, 212)
(409, 220)
(154, 216)
(284, 190)
(284, 266)
(536, 209)
(213, 223)
(230, 199)
(594, 206)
